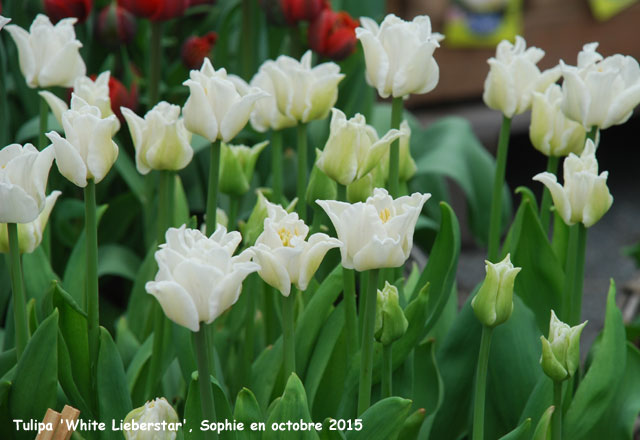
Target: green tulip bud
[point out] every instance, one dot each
(237, 165)
(391, 324)
(321, 186)
(362, 189)
(154, 412)
(561, 352)
(493, 303)
(253, 227)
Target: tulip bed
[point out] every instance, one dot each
(228, 204)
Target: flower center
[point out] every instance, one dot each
(385, 215)
(286, 236)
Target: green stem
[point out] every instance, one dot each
(556, 417)
(362, 299)
(578, 279)
(19, 301)
(545, 211)
(234, 203)
(593, 132)
(92, 298)
(212, 194)
(394, 151)
(366, 359)
(288, 338)
(206, 392)
(249, 330)
(481, 384)
(44, 115)
(351, 316)
(498, 183)
(301, 206)
(276, 165)
(317, 220)
(342, 192)
(387, 371)
(155, 60)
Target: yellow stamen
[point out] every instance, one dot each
(285, 237)
(385, 215)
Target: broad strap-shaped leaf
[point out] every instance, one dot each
(428, 388)
(292, 407)
(248, 412)
(383, 420)
(521, 432)
(193, 410)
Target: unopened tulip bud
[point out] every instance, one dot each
(391, 324)
(237, 165)
(361, 189)
(56, 10)
(561, 352)
(115, 26)
(407, 166)
(493, 303)
(320, 187)
(153, 412)
(195, 49)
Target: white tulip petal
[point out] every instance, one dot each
(176, 303)
(560, 199)
(68, 160)
(57, 105)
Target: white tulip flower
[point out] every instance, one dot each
(23, 180)
(198, 277)
(217, 108)
(302, 93)
(285, 257)
(551, 132)
(399, 55)
(153, 413)
(353, 148)
(30, 234)
(87, 151)
(266, 114)
(600, 92)
(584, 197)
(377, 233)
(160, 139)
(3, 21)
(513, 77)
(94, 92)
(48, 55)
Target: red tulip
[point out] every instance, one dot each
(292, 11)
(59, 9)
(121, 97)
(196, 49)
(156, 10)
(333, 34)
(115, 26)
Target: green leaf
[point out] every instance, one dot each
(543, 430)
(291, 407)
(127, 343)
(37, 273)
(412, 425)
(539, 400)
(193, 410)
(114, 259)
(598, 389)
(35, 385)
(65, 376)
(114, 402)
(383, 420)
(540, 284)
(247, 411)
(127, 170)
(428, 388)
(139, 307)
(521, 432)
(330, 434)
(30, 130)
(134, 370)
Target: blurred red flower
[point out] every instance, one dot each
(59, 9)
(333, 34)
(121, 97)
(292, 11)
(115, 26)
(195, 49)
(156, 10)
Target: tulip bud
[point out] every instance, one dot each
(320, 185)
(254, 226)
(195, 49)
(493, 303)
(391, 324)
(116, 26)
(584, 197)
(407, 166)
(155, 411)
(333, 34)
(30, 234)
(59, 9)
(238, 163)
(361, 189)
(561, 352)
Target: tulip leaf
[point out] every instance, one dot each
(521, 432)
(67, 382)
(138, 362)
(291, 407)
(114, 401)
(126, 341)
(428, 388)
(383, 420)
(538, 401)
(139, 307)
(37, 273)
(193, 410)
(330, 434)
(127, 170)
(413, 425)
(248, 412)
(543, 429)
(7, 360)
(264, 372)
(117, 260)
(30, 130)
(35, 384)
(540, 284)
(598, 388)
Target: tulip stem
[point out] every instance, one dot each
(481, 383)
(44, 115)
(155, 59)
(342, 192)
(301, 206)
(366, 359)
(351, 316)
(234, 203)
(387, 371)
(19, 301)
(212, 194)
(545, 205)
(92, 298)
(362, 299)
(556, 418)
(498, 182)
(574, 274)
(593, 133)
(394, 151)
(249, 328)
(288, 338)
(206, 392)
(276, 165)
